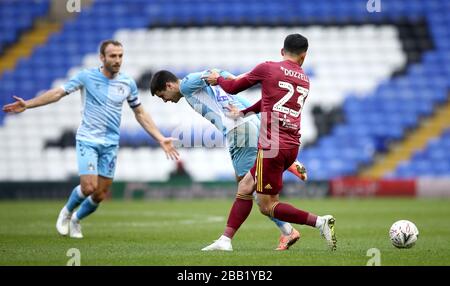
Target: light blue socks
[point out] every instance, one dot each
(75, 199)
(86, 208)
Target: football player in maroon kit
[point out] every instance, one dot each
(285, 88)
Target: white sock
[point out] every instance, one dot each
(80, 193)
(256, 198)
(65, 211)
(224, 238)
(319, 222)
(286, 229)
(75, 217)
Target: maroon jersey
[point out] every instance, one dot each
(285, 87)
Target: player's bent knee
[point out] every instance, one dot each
(245, 188)
(264, 210)
(246, 185)
(98, 197)
(88, 189)
(264, 207)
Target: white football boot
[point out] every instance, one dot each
(75, 228)
(223, 243)
(62, 223)
(327, 231)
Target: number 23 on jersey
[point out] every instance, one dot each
(279, 106)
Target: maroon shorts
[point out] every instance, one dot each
(268, 172)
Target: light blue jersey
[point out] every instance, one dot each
(102, 104)
(212, 101)
(97, 137)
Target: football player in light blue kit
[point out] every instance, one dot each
(241, 134)
(103, 91)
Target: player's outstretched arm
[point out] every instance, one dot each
(234, 112)
(47, 97)
(230, 85)
(149, 125)
(255, 108)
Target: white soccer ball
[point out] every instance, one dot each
(403, 234)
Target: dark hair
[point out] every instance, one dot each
(160, 79)
(295, 44)
(105, 43)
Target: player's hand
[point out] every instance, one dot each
(212, 77)
(232, 111)
(167, 145)
(16, 107)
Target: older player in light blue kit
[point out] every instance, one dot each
(103, 91)
(212, 103)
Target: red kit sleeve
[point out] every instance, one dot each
(255, 108)
(234, 86)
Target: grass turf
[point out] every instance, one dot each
(173, 232)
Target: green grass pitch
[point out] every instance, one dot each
(172, 232)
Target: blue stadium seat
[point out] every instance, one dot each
(433, 160)
(18, 16)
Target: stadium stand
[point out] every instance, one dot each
(17, 16)
(431, 161)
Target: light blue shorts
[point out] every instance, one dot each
(243, 146)
(96, 159)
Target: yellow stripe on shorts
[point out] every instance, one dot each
(259, 165)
